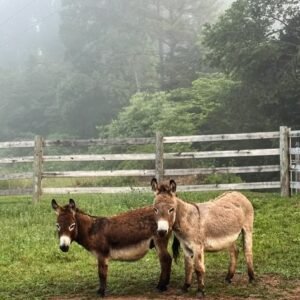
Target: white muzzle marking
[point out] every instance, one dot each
(162, 225)
(64, 241)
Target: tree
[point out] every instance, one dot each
(174, 26)
(108, 37)
(29, 99)
(256, 43)
(81, 102)
(135, 45)
(181, 111)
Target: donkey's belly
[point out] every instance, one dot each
(220, 243)
(132, 252)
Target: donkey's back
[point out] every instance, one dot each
(232, 205)
(224, 219)
(234, 200)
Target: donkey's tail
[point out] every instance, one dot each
(175, 248)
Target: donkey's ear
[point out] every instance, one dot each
(154, 184)
(72, 204)
(173, 186)
(55, 206)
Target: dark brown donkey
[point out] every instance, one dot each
(127, 236)
(209, 226)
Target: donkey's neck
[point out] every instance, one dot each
(185, 214)
(84, 224)
(184, 206)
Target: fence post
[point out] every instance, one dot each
(284, 161)
(159, 159)
(297, 166)
(37, 168)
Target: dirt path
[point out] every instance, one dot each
(266, 287)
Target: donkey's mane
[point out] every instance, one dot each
(79, 211)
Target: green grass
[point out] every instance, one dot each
(33, 267)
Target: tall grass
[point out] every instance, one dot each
(33, 267)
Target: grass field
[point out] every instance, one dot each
(33, 267)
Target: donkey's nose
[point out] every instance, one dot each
(162, 232)
(64, 248)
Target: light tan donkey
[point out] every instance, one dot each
(209, 226)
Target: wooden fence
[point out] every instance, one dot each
(160, 156)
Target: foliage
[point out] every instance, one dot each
(51, 100)
(178, 112)
(81, 97)
(28, 100)
(30, 247)
(136, 46)
(175, 26)
(222, 178)
(256, 43)
(113, 49)
(139, 64)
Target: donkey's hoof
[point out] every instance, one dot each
(251, 280)
(101, 292)
(228, 280)
(161, 287)
(185, 288)
(251, 276)
(200, 294)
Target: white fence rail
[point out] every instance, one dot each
(38, 159)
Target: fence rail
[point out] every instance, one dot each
(159, 156)
(222, 137)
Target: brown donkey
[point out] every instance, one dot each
(209, 226)
(127, 236)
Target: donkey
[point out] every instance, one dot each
(126, 237)
(209, 226)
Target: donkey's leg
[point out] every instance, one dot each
(165, 260)
(247, 233)
(188, 267)
(200, 271)
(102, 271)
(233, 252)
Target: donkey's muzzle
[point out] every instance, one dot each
(162, 227)
(162, 232)
(64, 248)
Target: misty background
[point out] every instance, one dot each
(90, 68)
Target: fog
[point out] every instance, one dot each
(73, 68)
(32, 28)
(108, 50)
(28, 28)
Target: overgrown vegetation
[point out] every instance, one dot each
(33, 267)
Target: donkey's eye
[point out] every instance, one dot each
(72, 226)
(171, 210)
(57, 226)
(155, 210)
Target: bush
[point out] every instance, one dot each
(217, 178)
